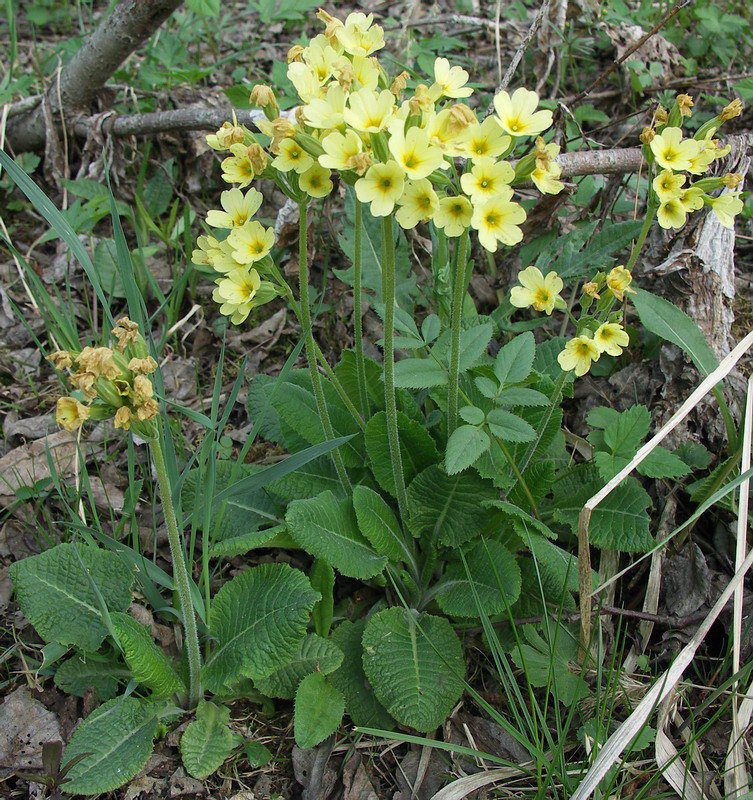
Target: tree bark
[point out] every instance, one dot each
(130, 24)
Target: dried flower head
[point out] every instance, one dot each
(123, 418)
(60, 359)
(397, 87)
(732, 180)
(99, 361)
(660, 115)
(685, 104)
(591, 288)
(142, 366)
(125, 331)
(84, 382)
(647, 135)
(734, 109)
(70, 413)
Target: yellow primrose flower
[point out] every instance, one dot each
(453, 215)
(496, 220)
(668, 184)
(703, 159)
(578, 355)
(382, 186)
(732, 180)
(417, 203)
(359, 36)
(365, 72)
(235, 294)
(413, 152)
(227, 134)
(70, 413)
(305, 80)
(369, 111)
(486, 179)
(326, 112)
(449, 81)
(671, 151)
(339, 149)
(543, 293)
(618, 282)
(321, 57)
(671, 213)
(547, 170)
(221, 256)
(292, 157)
(315, 181)
(517, 115)
(238, 168)
(610, 338)
(691, 198)
(726, 207)
(251, 242)
(237, 208)
(484, 139)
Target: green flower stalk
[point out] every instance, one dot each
(357, 310)
(458, 292)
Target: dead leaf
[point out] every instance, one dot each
(25, 725)
(356, 783)
(686, 581)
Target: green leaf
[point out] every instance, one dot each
(361, 703)
(419, 373)
(317, 476)
(516, 515)
(257, 620)
(297, 407)
(509, 427)
(514, 361)
(415, 665)
(417, 449)
(464, 447)
(115, 741)
(257, 754)
(326, 527)
(314, 655)
(473, 345)
(487, 386)
(624, 435)
(347, 373)
(471, 415)
(319, 709)
(520, 396)
(378, 524)
(619, 522)
(207, 8)
(448, 507)
(238, 545)
(207, 742)
(322, 578)
(79, 674)
(489, 582)
(55, 592)
(148, 663)
(666, 320)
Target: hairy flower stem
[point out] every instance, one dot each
(390, 404)
(650, 214)
(305, 316)
(357, 313)
(458, 293)
(180, 575)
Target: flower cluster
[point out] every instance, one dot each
(674, 158)
(110, 383)
(420, 154)
(598, 331)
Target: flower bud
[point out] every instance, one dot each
(732, 180)
(257, 157)
(70, 413)
(263, 97)
(734, 109)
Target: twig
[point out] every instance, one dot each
(607, 72)
(513, 65)
(130, 24)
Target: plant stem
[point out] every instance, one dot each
(180, 575)
(458, 292)
(650, 213)
(357, 312)
(305, 316)
(390, 404)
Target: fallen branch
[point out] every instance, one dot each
(130, 24)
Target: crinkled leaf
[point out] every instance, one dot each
(81, 673)
(314, 655)
(378, 523)
(327, 528)
(257, 620)
(148, 663)
(207, 741)
(415, 665)
(319, 709)
(55, 592)
(118, 738)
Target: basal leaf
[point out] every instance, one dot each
(319, 709)
(115, 740)
(317, 476)
(55, 592)
(314, 655)
(257, 620)
(378, 524)
(207, 741)
(327, 528)
(79, 674)
(148, 663)
(415, 665)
